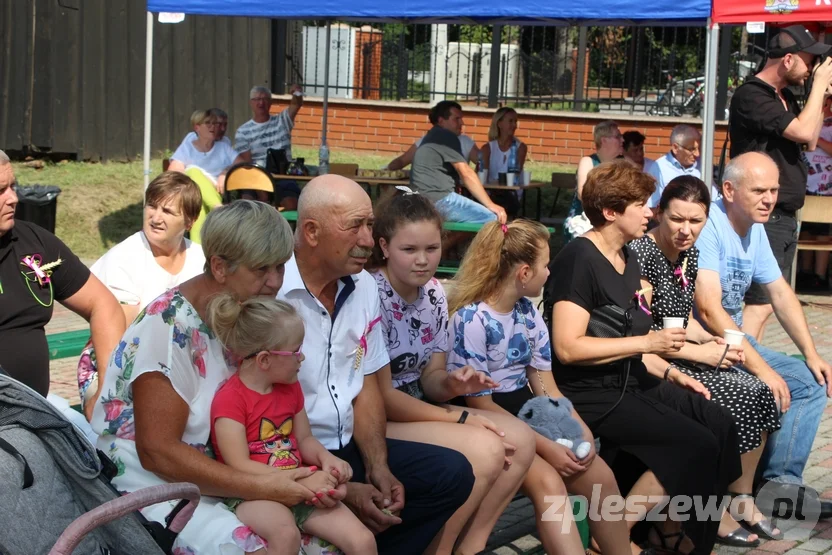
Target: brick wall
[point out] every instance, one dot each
(391, 127)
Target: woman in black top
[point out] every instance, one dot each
(668, 263)
(662, 438)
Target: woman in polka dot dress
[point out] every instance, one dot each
(669, 266)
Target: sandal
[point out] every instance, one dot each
(764, 529)
(738, 538)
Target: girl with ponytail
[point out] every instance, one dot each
(496, 330)
(259, 425)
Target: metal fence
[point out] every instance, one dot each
(618, 69)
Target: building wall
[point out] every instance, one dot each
(391, 127)
(72, 75)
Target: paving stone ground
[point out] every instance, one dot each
(514, 533)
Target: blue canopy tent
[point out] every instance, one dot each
(527, 12)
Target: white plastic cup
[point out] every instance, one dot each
(527, 178)
(510, 179)
(674, 322)
(483, 175)
(734, 337)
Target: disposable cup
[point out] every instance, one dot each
(734, 337)
(674, 322)
(510, 179)
(483, 175)
(527, 177)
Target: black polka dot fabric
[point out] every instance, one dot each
(748, 399)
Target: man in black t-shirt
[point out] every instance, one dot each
(36, 269)
(766, 117)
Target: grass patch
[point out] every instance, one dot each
(101, 204)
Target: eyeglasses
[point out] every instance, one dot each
(297, 354)
(683, 147)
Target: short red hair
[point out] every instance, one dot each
(614, 185)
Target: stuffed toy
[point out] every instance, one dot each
(552, 418)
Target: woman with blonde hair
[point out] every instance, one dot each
(497, 331)
(504, 153)
(206, 161)
(153, 415)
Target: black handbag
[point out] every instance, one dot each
(609, 322)
(612, 322)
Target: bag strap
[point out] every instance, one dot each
(28, 477)
(721, 168)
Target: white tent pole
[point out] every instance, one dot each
(326, 81)
(708, 118)
(148, 96)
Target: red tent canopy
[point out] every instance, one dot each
(773, 11)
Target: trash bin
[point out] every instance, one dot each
(38, 204)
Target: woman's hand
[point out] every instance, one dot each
(483, 422)
(287, 487)
(339, 468)
(665, 342)
(713, 350)
(564, 461)
(677, 377)
(466, 380)
(323, 485)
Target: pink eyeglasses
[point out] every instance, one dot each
(297, 354)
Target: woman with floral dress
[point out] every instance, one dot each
(153, 415)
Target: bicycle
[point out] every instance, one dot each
(680, 98)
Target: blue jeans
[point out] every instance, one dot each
(787, 449)
(456, 208)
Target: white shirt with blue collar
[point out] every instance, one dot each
(666, 169)
(340, 349)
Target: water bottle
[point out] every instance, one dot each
(323, 160)
(512, 158)
(479, 162)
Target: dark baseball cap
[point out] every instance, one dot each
(794, 39)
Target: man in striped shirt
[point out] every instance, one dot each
(264, 131)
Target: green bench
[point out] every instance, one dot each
(67, 344)
(292, 216)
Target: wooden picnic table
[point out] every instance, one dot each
(379, 181)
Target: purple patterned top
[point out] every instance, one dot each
(413, 331)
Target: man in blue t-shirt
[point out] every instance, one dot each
(734, 252)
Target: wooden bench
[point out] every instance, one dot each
(67, 344)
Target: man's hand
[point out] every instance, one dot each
(822, 371)
(499, 211)
(466, 380)
(778, 387)
(823, 75)
(367, 503)
(677, 377)
(391, 489)
(295, 89)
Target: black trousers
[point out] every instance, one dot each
(437, 481)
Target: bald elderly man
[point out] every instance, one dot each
(419, 485)
(734, 252)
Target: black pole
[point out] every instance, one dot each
(724, 68)
(279, 35)
(580, 71)
(494, 75)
